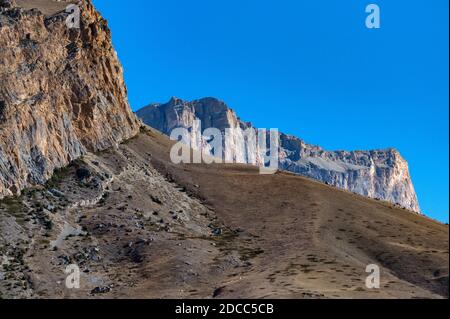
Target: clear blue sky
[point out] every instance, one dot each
(309, 68)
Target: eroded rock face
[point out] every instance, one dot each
(380, 174)
(61, 93)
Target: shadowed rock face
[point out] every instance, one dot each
(380, 174)
(61, 92)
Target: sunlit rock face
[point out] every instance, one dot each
(61, 92)
(380, 174)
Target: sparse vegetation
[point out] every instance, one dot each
(127, 141)
(58, 175)
(14, 206)
(249, 253)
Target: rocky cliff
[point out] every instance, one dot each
(61, 90)
(380, 174)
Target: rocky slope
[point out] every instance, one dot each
(138, 226)
(380, 174)
(61, 91)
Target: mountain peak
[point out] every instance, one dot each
(175, 100)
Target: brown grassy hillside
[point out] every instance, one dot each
(142, 227)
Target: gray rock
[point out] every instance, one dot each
(100, 290)
(56, 192)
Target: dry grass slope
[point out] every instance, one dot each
(47, 7)
(315, 237)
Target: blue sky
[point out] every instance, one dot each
(309, 68)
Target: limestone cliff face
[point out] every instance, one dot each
(61, 92)
(381, 174)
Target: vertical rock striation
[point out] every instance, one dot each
(380, 174)
(61, 92)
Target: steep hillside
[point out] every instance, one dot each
(141, 227)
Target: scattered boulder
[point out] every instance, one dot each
(217, 292)
(65, 260)
(100, 290)
(56, 192)
(156, 200)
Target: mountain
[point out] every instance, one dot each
(379, 174)
(139, 226)
(61, 92)
(96, 191)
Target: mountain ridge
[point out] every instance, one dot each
(96, 191)
(381, 174)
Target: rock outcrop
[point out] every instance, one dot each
(379, 174)
(61, 91)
